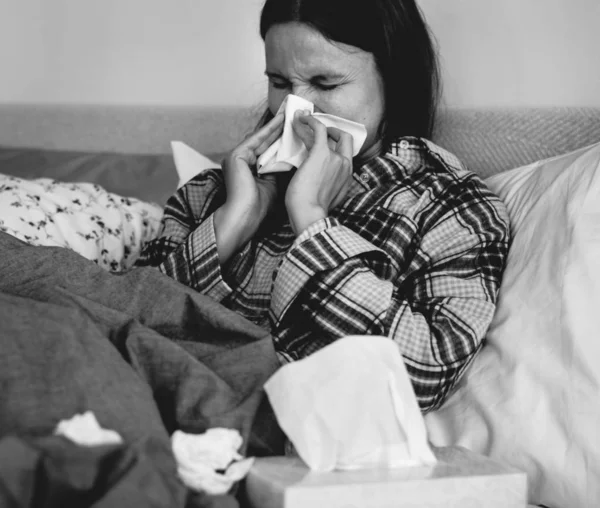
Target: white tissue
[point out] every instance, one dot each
(289, 151)
(84, 429)
(351, 405)
(210, 462)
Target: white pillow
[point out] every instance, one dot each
(532, 396)
(189, 162)
(106, 228)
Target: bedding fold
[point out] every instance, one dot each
(147, 355)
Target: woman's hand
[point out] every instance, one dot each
(323, 180)
(249, 198)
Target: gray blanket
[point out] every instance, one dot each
(144, 353)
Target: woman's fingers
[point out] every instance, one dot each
(344, 142)
(323, 180)
(313, 132)
(309, 130)
(272, 134)
(266, 136)
(252, 147)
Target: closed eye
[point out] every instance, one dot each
(277, 81)
(280, 85)
(324, 87)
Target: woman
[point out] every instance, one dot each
(400, 241)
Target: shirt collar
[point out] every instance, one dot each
(404, 156)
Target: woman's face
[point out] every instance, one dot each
(339, 79)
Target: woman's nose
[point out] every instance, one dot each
(306, 95)
(301, 91)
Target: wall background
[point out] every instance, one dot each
(208, 52)
(518, 52)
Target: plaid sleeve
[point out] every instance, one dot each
(325, 245)
(186, 248)
(437, 310)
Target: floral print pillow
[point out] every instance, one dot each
(106, 228)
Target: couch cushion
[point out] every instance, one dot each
(146, 177)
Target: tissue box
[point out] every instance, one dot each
(460, 478)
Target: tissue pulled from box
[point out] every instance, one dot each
(288, 151)
(351, 405)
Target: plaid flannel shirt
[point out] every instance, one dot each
(416, 253)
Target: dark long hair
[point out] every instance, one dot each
(395, 32)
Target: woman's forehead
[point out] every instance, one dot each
(302, 48)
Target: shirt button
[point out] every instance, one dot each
(404, 144)
(364, 177)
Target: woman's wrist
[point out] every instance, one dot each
(232, 231)
(303, 218)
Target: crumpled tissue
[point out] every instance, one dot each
(288, 151)
(351, 405)
(210, 462)
(84, 429)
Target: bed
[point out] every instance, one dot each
(529, 399)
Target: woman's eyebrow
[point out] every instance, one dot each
(273, 75)
(318, 77)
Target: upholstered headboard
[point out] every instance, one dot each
(487, 140)
(494, 140)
